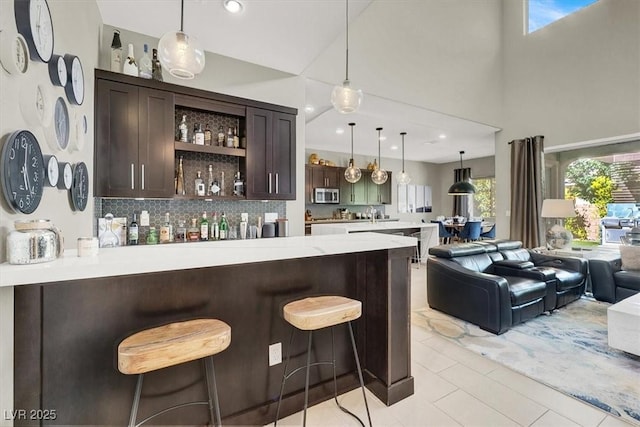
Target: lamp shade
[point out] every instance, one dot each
(558, 208)
(461, 188)
(345, 99)
(181, 55)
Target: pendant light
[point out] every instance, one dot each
(181, 54)
(345, 99)
(352, 174)
(403, 177)
(462, 188)
(379, 176)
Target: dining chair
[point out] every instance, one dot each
(471, 231)
(489, 234)
(445, 236)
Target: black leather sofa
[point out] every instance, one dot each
(476, 282)
(610, 283)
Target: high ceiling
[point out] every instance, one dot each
(288, 35)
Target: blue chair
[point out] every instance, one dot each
(489, 234)
(471, 231)
(445, 236)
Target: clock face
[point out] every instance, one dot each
(23, 172)
(36, 104)
(51, 170)
(80, 187)
(33, 19)
(14, 52)
(66, 176)
(61, 124)
(58, 71)
(75, 80)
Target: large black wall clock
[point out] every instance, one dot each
(23, 171)
(33, 20)
(80, 187)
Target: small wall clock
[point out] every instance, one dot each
(36, 104)
(75, 80)
(23, 171)
(14, 52)
(33, 19)
(51, 171)
(66, 176)
(80, 187)
(58, 71)
(61, 130)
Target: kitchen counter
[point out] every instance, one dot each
(346, 221)
(359, 227)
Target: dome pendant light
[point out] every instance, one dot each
(352, 174)
(345, 99)
(181, 54)
(403, 177)
(462, 188)
(379, 176)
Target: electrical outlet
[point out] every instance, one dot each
(275, 353)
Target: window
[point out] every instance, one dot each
(484, 200)
(543, 12)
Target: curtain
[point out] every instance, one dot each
(527, 172)
(461, 203)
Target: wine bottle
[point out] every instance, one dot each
(156, 66)
(116, 52)
(204, 227)
(224, 227)
(133, 230)
(130, 66)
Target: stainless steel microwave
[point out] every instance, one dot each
(326, 195)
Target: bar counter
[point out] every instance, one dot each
(70, 314)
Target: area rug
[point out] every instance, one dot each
(566, 350)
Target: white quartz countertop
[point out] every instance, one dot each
(180, 256)
(345, 228)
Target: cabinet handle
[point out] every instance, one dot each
(143, 176)
(277, 186)
(269, 182)
(133, 173)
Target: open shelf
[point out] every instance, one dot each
(212, 149)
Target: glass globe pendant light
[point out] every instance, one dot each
(403, 177)
(181, 54)
(344, 98)
(379, 176)
(352, 174)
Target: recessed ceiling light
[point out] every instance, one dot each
(309, 108)
(394, 147)
(433, 141)
(339, 131)
(383, 138)
(233, 6)
(442, 136)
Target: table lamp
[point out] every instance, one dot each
(557, 236)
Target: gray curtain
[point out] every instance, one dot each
(527, 172)
(461, 203)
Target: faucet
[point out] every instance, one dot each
(371, 210)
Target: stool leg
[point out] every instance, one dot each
(284, 376)
(211, 381)
(355, 353)
(306, 381)
(136, 401)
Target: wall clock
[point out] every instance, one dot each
(80, 187)
(66, 176)
(58, 71)
(79, 132)
(51, 171)
(59, 133)
(14, 52)
(23, 171)
(75, 80)
(33, 19)
(36, 104)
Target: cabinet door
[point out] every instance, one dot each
(116, 152)
(333, 177)
(308, 186)
(156, 146)
(259, 146)
(284, 156)
(385, 191)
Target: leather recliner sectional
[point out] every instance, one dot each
(610, 282)
(492, 285)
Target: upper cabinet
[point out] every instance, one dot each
(365, 192)
(318, 176)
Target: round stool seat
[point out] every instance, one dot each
(310, 314)
(172, 344)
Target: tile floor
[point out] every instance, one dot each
(456, 387)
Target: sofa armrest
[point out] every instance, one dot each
(579, 265)
(603, 285)
(513, 264)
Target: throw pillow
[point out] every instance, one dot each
(630, 257)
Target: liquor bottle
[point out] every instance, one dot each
(133, 230)
(181, 232)
(221, 137)
(130, 66)
(166, 230)
(180, 181)
(156, 66)
(204, 227)
(236, 138)
(224, 227)
(146, 68)
(199, 185)
(193, 233)
(183, 130)
(198, 134)
(210, 181)
(222, 183)
(116, 52)
(207, 135)
(152, 237)
(238, 185)
(230, 138)
(215, 227)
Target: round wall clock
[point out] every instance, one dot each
(79, 132)
(66, 176)
(23, 171)
(58, 71)
(75, 80)
(51, 171)
(36, 104)
(80, 187)
(14, 52)
(33, 19)
(58, 135)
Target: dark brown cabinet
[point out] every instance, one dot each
(270, 157)
(134, 141)
(318, 176)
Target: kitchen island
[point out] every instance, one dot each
(70, 314)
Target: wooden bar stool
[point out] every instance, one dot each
(171, 345)
(312, 314)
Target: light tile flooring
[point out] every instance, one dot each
(456, 387)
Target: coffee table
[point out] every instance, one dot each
(623, 325)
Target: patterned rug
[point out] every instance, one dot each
(566, 350)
